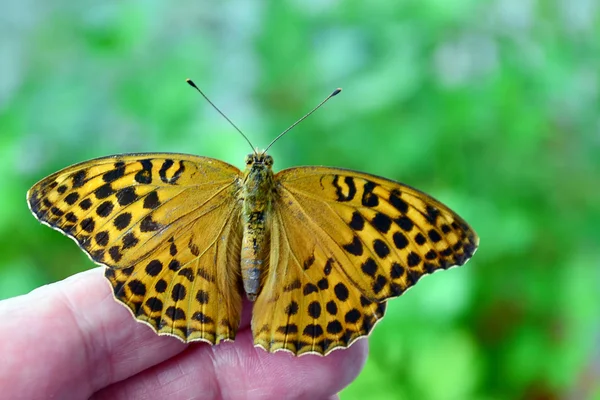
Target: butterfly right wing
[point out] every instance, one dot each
(342, 243)
(168, 228)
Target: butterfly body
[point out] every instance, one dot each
(258, 191)
(319, 250)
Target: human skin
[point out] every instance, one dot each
(71, 340)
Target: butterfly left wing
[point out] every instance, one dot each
(167, 226)
(342, 243)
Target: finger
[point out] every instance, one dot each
(70, 338)
(239, 370)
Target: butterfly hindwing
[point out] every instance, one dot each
(165, 226)
(343, 242)
(307, 304)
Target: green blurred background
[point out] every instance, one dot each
(491, 106)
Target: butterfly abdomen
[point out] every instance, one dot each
(257, 198)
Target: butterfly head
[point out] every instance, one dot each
(258, 176)
(259, 159)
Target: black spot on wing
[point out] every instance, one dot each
(137, 287)
(405, 223)
(87, 224)
(331, 307)
(397, 202)
(396, 271)
(355, 247)
(151, 200)
(323, 284)
(381, 248)
(420, 239)
(341, 292)
(369, 267)
(431, 255)
(175, 313)
(154, 268)
(115, 253)
(469, 249)
(178, 292)
(71, 198)
(115, 173)
(379, 284)
(104, 191)
(328, 266)
(400, 241)
(102, 238)
(288, 329)
(310, 288)
(178, 173)
(198, 316)
(161, 286)
(292, 308)
(349, 181)
(144, 176)
(313, 330)
(163, 170)
(434, 236)
(174, 265)
(369, 199)
(193, 247)
(122, 221)
(352, 316)
(314, 309)
(381, 222)
(149, 225)
(309, 262)
(188, 273)
(413, 259)
(432, 214)
(103, 209)
(85, 204)
(129, 240)
(292, 286)
(334, 327)
(154, 304)
(79, 179)
(167, 164)
(202, 297)
(126, 196)
(72, 218)
(358, 222)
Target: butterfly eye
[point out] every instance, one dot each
(268, 160)
(249, 159)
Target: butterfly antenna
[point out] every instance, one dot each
(192, 84)
(335, 92)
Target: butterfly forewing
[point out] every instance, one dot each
(343, 242)
(166, 225)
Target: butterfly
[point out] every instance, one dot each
(318, 250)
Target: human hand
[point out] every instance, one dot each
(71, 340)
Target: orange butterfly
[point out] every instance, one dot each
(318, 250)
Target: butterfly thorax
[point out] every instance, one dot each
(257, 195)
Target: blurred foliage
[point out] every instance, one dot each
(491, 106)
